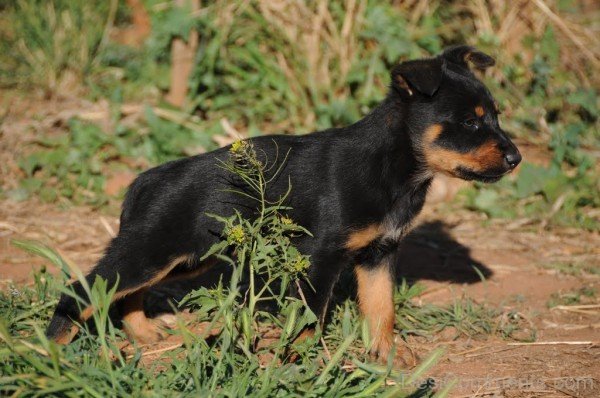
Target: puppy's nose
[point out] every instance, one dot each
(513, 158)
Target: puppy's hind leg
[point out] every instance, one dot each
(137, 326)
(130, 265)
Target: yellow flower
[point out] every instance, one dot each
(286, 220)
(238, 147)
(300, 264)
(236, 235)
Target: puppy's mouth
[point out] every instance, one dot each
(487, 177)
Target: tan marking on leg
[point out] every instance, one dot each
(137, 326)
(202, 268)
(375, 300)
(306, 333)
(363, 237)
(479, 111)
(87, 312)
(67, 336)
(155, 279)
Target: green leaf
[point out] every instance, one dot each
(486, 200)
(587, 99)
(531, 179)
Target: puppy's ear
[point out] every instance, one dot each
(465, 55)
(423, 76)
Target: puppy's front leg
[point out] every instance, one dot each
(375, 300)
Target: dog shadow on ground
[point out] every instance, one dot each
(431, 252)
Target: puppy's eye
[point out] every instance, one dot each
(472, 124)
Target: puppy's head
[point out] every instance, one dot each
(453, 118)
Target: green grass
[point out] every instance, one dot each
(575, 269)
(226, 365)
(53, 44)
(576, 296)
(464, 316)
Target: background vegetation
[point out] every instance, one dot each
(264, 67)
(273, 66)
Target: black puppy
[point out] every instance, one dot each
(356, 188)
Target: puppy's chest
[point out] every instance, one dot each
(372, 244)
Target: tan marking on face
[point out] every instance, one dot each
(447, 161)
(467, 56)
(479, 111)
(363, 237)
(432, 133)
(487, 155)
(375, 301)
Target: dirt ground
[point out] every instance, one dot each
(518, 261)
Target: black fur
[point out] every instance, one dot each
(374, 172)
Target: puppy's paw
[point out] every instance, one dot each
(385, 346)
(145, 331)
(382, 347)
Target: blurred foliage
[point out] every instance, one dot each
(52, 44)
(579, 296)
(269, 66)
(74, 166)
